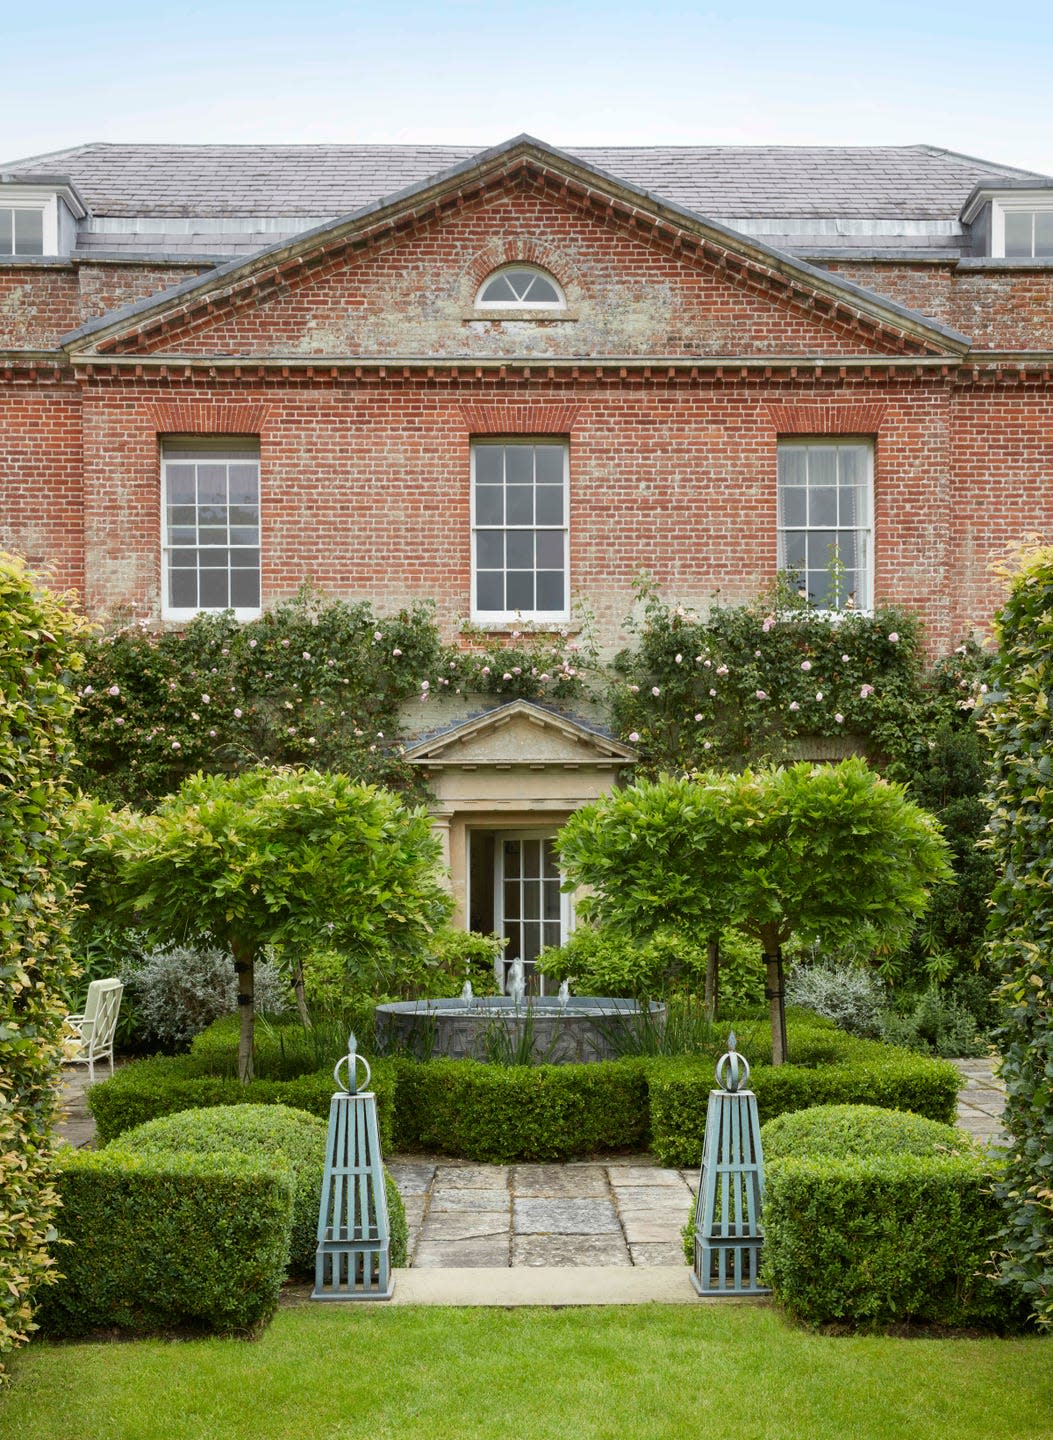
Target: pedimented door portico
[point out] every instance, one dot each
(502, 781)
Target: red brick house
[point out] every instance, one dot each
(510, 380)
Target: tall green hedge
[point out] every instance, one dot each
(1020, 723)
(36, 966)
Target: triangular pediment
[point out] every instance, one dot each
(286, 303)
(519, 734)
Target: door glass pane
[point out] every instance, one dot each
(511, 899)
(532, 899)
(551, 901)
(511, 856)
(531, 942)
(552, 934)
(532, 858)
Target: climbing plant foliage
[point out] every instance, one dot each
(36, 702)
(1019, 721)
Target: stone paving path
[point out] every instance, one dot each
(610, 1212)
(615, 1212)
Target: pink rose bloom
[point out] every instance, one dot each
(806, 664)
(794, 705)
(237, 714)
(865, 691)
(761, 694)
(114, 690)
(818, 694)
(840, 719)
(656, 690)
(699, 715)
(894, 637)
(634, 735)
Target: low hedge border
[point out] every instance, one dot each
(157, 1242)
(146, 1089)
(520, 1112)
(866, 1073)
(885, 1240)
(553, 1112)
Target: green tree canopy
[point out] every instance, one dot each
(818, 850)
(286, 857)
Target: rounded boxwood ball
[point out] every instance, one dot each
(844, 1130)
(264, 1131)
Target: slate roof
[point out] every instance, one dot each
(722, 181)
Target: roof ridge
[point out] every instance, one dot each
(978, 160)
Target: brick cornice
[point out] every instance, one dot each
(186, 417)
(504, 419)
(826, 419)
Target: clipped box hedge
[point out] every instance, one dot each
(156, 1242)
(261, 1132)
(162, 1085)
(520, 1112)
(848, 1071)
(884, 1240)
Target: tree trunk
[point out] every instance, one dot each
(244, 966)
(773, 990)
(301, 997)
(712, 978)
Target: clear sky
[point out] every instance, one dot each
(969, 76)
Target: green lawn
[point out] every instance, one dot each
(322, 1372)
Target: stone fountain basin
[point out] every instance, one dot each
(585, 1028)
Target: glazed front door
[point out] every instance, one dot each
(529, 909)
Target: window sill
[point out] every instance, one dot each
(490, 316)
(522, 625)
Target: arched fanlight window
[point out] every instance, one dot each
(520, 287)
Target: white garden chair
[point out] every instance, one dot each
(96, 1026)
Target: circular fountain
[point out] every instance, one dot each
(544, 1029)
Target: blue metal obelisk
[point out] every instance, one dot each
(728, 1234)
(352, 1260)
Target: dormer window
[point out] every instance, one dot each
(1022, 227)
(1028, 234)
(21, 229)
(520, 287)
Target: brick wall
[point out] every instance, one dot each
(41, 469)
(365, 485)
(416, 296)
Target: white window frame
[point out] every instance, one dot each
(510, 617)
(216, 449)
(1032, 201)
(45, 203)
(864, 531)
(514, 305)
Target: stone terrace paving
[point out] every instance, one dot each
(622, 1212)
